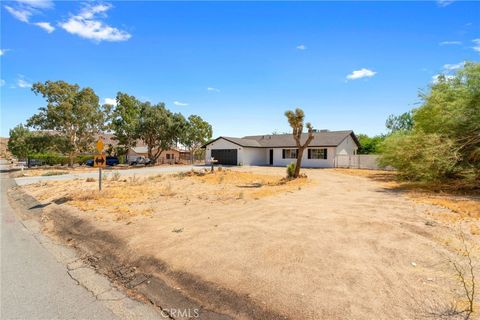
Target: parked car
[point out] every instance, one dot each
(139, 160)
(35, 162)
(111, 161)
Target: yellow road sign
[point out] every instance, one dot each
(100, 160)
(100, 145)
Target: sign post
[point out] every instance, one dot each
(212, 162)
(99, 161)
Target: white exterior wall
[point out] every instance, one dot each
(254, 156)
(306, 163)
(223, 144)
(347, 147)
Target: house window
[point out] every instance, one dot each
(169, 156)
(289, 153)
(317, 153)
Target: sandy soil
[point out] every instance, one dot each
(333, 246)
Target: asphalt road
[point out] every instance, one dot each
(94, 174)
(35, 285)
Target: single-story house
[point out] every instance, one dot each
(281, 149)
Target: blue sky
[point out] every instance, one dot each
(239, 65)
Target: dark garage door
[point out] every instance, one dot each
(225, 156)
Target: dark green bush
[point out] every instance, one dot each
(52, 159)
(82, 159)
(49, 159)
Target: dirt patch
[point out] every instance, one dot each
(459, 197)
(340, 246)
(142, 196)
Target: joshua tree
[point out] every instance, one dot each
(295, 119)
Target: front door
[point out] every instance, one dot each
(271, 157)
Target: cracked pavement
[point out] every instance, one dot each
(41, 279)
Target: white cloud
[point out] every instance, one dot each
(180, 104)
(362, 73)
(45, 26)
(301, 47)
(2, 82)
(111, 101)
(20, 14)
(3, 51)
(450, 43)
(87, 24)
(24, 9)
(444, 3)
(212, 89)
(40, 4)
(21, 83)
(476, 46)
(453, 67)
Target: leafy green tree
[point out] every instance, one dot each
(420, 156)
(159, 128)
(125, 119)
(197, 132)
(18, 143)
(296, 119)
(401, 122)
(23, 142)
(72, 112)
(445, 137)
(369, 145)
(452, 110)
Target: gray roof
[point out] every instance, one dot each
(244, 142)
(321, 139)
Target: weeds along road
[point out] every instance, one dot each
(94, 174)
(35, 285)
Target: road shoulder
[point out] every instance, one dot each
(29, 213)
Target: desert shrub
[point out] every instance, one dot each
(134, 180)
(90, 180)
(420, 156)
(115, 176)
(54, 173)
(291, 170)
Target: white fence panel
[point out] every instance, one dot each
(359, 161)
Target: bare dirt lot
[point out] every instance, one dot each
(332, 246)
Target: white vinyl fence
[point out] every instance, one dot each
(359, 161)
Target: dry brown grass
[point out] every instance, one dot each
(464, 207)
(459, 196)
(135, 196)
